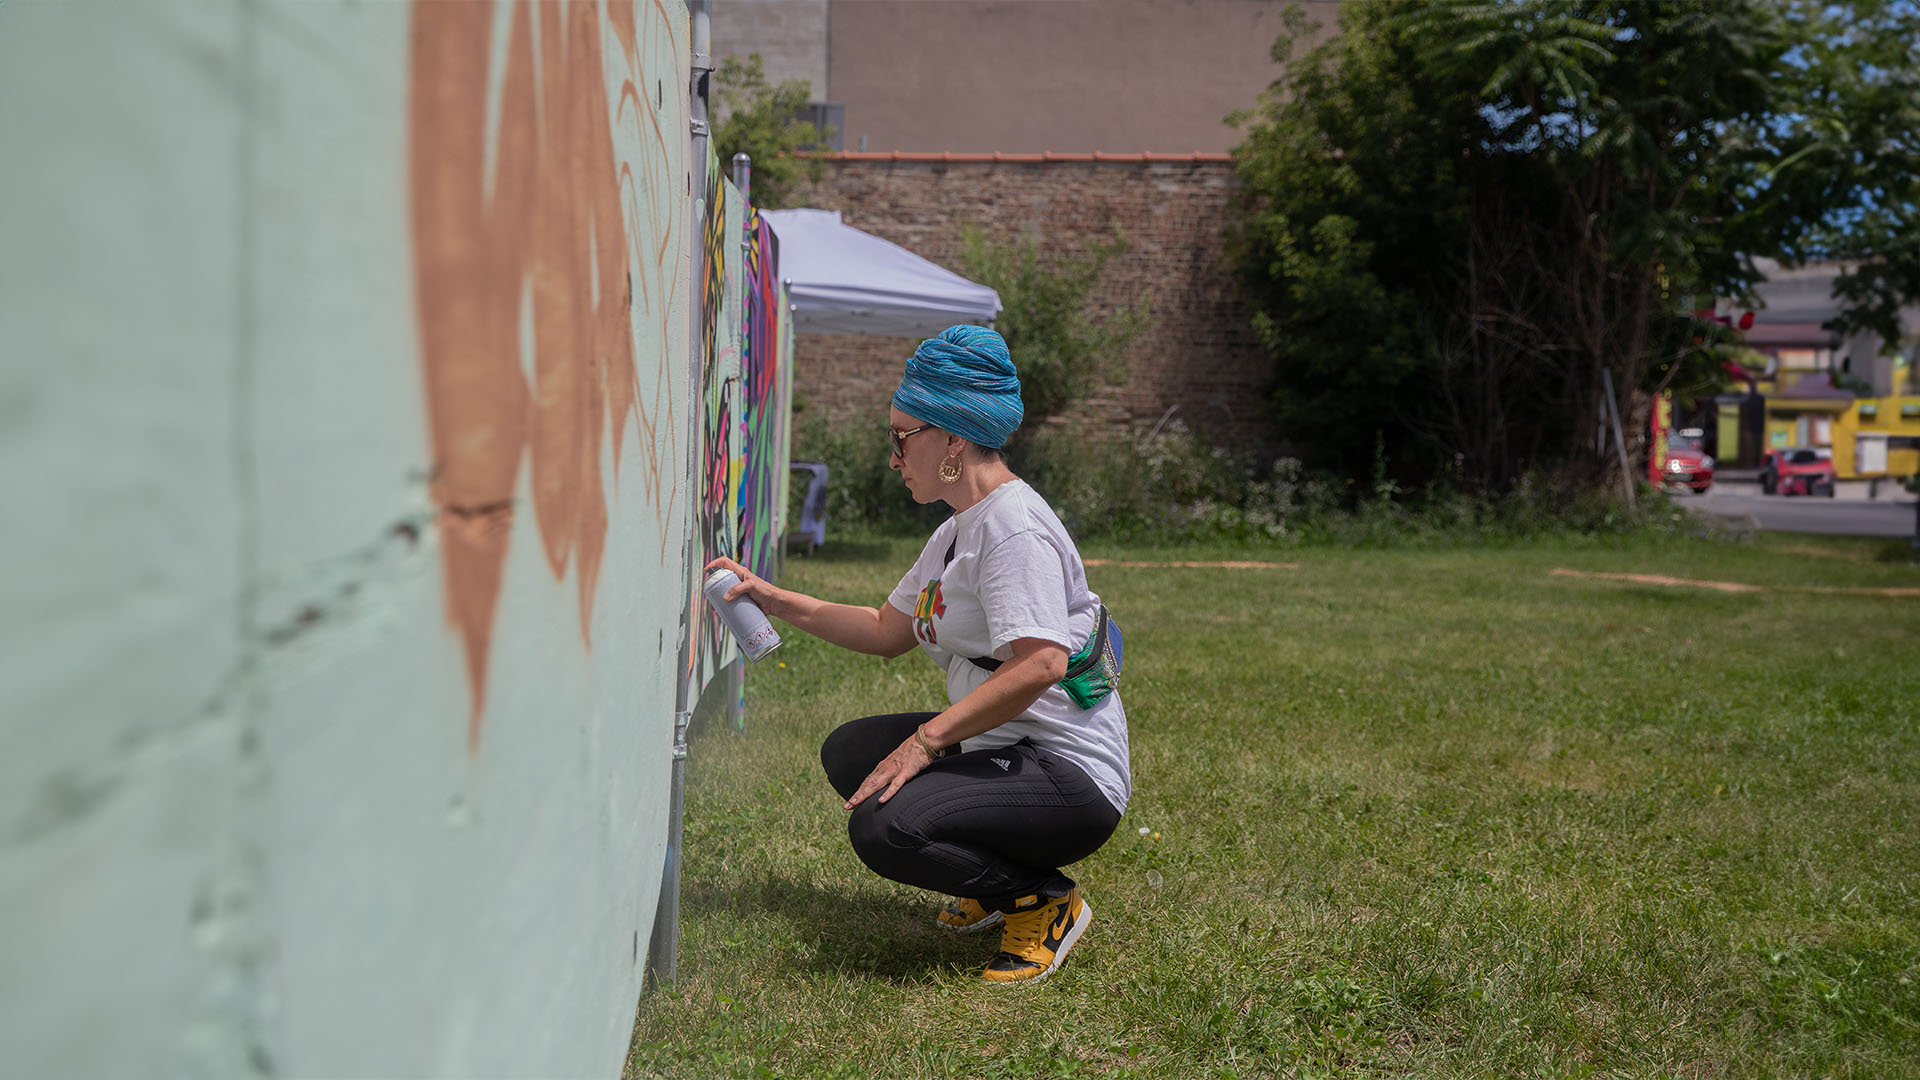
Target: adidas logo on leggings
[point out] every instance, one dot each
(1002, 762)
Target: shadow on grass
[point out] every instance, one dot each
(1901, 552)
(849, 930)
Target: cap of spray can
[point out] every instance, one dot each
(749, 624)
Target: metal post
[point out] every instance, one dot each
(663, 947)
(1619, 438)
(743, 175)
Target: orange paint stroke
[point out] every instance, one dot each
(1231, 564)
(654, 294)
(1896, 592)
(620, 16)
(552, 233)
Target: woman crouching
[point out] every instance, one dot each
(1025, 771)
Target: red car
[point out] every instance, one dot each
(1687, 465)
(1799, 470)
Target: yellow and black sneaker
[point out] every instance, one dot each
(965, 916)
(1037, 935)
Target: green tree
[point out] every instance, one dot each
(763, 121)
(1063, 347)
(1846, 184)
(1458, 216)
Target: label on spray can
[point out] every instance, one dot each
(749, 624)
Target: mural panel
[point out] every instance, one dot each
(746, 407)
(379, 535)
(783, 501)
(385, 541)
(717, 520)
(520, 231)
(766, 379)
(732, 336)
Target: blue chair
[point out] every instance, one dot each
(813, 510)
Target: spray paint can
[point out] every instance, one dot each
(749, 624)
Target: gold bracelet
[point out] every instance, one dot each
(920, 736)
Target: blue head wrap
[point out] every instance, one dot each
(963, 381)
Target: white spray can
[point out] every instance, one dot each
(749, 624)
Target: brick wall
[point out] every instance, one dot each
(1199, 355)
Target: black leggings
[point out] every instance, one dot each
(994, 825)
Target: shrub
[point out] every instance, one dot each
(863, 492)
(1172, 487)
(1064, 349)
(762, 120)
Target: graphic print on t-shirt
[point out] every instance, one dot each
(924, 609)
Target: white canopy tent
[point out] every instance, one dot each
(844, 281)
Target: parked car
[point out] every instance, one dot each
(1798, 470)
(1687, 465)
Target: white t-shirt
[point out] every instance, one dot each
(1015, 574)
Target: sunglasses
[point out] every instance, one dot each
(898, 439)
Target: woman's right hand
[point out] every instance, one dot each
(770, 599)
(881, 631)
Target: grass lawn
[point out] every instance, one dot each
(1409, 813)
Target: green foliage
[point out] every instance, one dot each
(1458, 215)
(1844, 159)
(1062, 347)
(863, 491)
(1172, 487)
(1167, 486)
(762, 121)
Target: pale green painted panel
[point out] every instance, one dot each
(462, 893)
(268, 828)
(127, 899)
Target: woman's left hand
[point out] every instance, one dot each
(905, 763)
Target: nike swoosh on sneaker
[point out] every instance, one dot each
(1059, 927)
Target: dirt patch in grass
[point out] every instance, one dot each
(1738, 587)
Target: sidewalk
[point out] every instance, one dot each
(1886, 490)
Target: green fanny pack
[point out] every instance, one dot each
(1093, 672)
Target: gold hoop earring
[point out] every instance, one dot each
(950, 469)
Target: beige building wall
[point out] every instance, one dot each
(1121, 76)
(789, 35)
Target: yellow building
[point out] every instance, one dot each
(1792, 362)
(1876, 437)
(1806, 413)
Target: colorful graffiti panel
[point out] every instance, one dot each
(746, 402)
(731, 345)
(766, 382)
(783, 473)
(719, 464)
